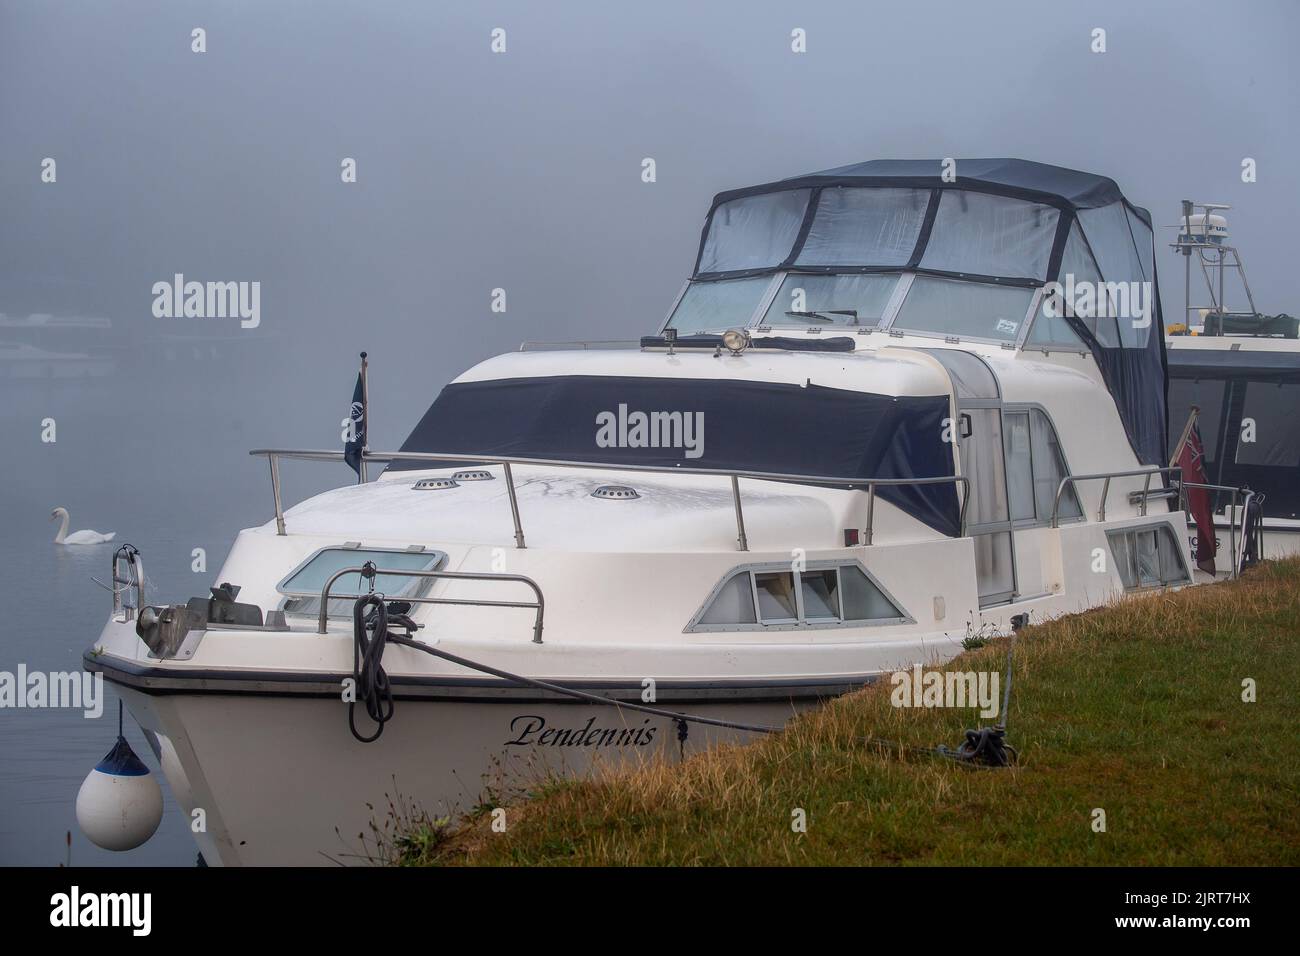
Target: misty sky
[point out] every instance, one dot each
(522, 170)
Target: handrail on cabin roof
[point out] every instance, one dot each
(274, 455)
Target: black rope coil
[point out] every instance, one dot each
(373, 691)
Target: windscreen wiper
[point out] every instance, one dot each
(825, 315)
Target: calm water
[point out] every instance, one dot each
(167, 474)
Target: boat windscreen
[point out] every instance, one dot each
(718, 305)
(856, 300)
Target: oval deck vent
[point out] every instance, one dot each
(473, 474)
(432, 484)
(615, 492)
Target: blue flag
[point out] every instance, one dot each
(352, 448)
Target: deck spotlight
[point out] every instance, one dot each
(736, 340)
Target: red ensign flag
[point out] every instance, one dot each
(1191, 458)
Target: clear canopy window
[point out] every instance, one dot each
(756, 232)
(718, 305)
(999, 224)
(1053, 330)
(980, 234)
(872, 227)
(1051, 327)
(1145, 242)
(970, 309)
(1113, 246)
(852, 300)
(1081, 280)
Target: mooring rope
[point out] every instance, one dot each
(372, 688)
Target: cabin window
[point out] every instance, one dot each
(776, 597)
(967, 309)
(755, 232)
(1270, 429)
(805, 299)
(823, 594)
(863, 600)
(981, 234)
(1035, 468)
(733, 604)
(864, 227)
(820, 592)
(1020, 474)
(302, 586)
(718, 305)
(1148, 557)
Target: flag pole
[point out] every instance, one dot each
(365, 419)
(1178, 449)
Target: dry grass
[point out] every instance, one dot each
(1135, 709)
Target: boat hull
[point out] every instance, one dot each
(279, 779)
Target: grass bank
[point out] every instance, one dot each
(1134, 709)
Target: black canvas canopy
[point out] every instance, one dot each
(738, 425)
(1007, 222)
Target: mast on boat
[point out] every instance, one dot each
(1203, 235)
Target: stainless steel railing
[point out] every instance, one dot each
(1105, 477)
(274, 455)
(1244, 495)
(118, 583)
(1141, 498)
(372, 572)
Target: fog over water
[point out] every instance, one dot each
(475, 171)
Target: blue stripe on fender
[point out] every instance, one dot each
(121, 761)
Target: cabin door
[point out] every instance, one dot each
(988, 520)
(979, 438)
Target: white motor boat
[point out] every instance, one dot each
(863, 433)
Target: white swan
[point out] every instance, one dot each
(77, 537)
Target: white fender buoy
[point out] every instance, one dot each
(119, 805)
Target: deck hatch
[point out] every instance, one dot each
(302, 586)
